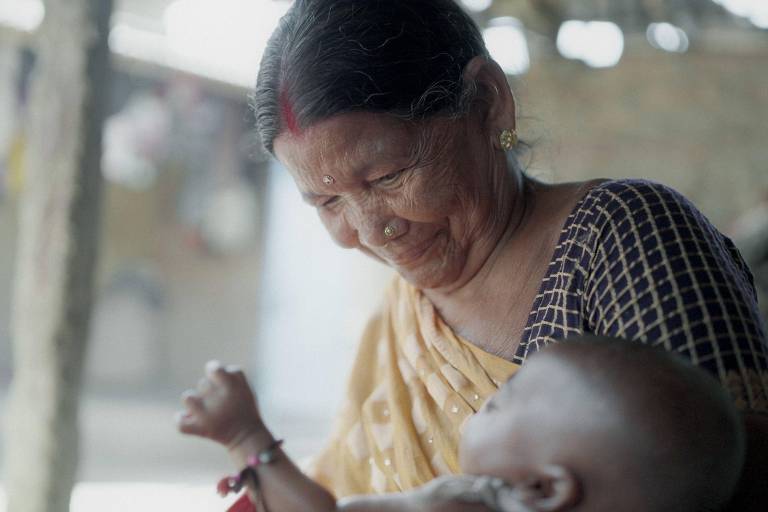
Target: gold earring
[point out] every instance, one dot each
(508, 139)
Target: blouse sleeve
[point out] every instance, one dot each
(662, 274)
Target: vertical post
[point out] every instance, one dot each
(9, 58)
(57, 249)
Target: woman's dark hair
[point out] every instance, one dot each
(328, 57)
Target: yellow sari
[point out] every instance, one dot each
(413, 384)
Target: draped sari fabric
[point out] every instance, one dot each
(413, 384)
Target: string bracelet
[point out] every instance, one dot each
(235, 483)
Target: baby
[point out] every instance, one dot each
(592, 425)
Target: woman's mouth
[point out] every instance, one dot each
(413, 254)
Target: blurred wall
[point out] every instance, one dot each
(697, 122)
(174, 290)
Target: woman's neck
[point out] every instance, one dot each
(491, 308)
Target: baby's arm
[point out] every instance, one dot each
(445, 494)
(224, 409)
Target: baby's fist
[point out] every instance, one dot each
(221, 408)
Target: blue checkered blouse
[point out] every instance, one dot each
(637, 260)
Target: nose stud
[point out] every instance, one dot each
(328, 179)
(389, 231)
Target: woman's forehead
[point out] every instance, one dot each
(348, 145)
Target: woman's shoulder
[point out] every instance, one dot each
(629, 196)
(635, 210)
(661, 273)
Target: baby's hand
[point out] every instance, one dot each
(222, 408)
(454, 493)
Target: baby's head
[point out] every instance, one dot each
(599, 424)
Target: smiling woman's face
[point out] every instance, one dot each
(364, 172)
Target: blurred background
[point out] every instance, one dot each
(209, 253)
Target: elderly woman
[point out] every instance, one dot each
(401, 131)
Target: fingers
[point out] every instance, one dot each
(217, 372)
(212, 366)
(217, 377)
(192, 402)
(453, 487)
(462, 493)
(221, 400)
(203, 385)
(188, 424)
(188, 421)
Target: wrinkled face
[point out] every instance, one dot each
(417, 198)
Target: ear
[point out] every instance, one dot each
(494, 93)
(549, 488)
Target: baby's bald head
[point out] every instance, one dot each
(640, 428)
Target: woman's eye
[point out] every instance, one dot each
(330, 202)
(390, 178)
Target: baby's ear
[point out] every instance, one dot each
(549, 488)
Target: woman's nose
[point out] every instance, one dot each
(379, 231)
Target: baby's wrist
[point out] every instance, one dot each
(249, 443)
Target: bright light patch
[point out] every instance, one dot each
(759, 15)
(667, 37)
(225, 38)
(598, 44)
(137, 44)
(756, 11)
(477, 5)
(737, 7)
(24, 15)
(760, 20)
(147, 497)
(506, 42)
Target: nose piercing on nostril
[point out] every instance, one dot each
(328, 179)
(389, 231)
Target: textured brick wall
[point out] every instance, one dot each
(698, 122)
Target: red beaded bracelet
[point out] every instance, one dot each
(234, 483)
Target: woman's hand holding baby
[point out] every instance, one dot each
(223, 408)
(454, 493)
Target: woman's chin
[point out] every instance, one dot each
(428, 277)
(438, 267)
